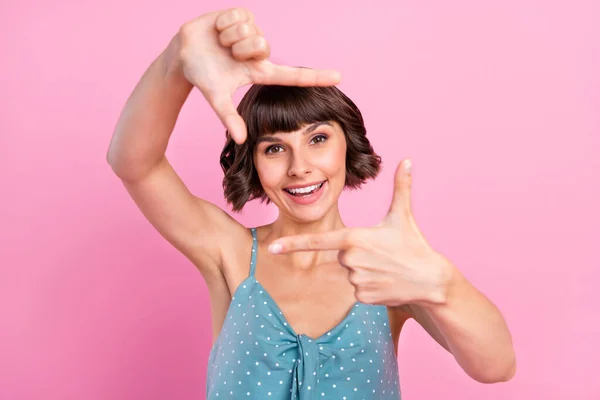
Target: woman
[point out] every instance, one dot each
(302, 307)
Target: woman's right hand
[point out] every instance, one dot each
(224, 50)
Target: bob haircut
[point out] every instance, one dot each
(268, 109)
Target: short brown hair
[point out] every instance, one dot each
(267, 109)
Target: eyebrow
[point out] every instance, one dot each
(271, 138)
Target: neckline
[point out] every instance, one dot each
(274, 303)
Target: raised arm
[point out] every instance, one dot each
(137, 156)
(217, 52)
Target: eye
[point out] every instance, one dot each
(274, 149)
(319, 138)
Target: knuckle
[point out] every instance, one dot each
(186, 31)
(313, 243)
(354, 238)
(243, 11)
(343, 257)
(240, 14)
(350, 238)
(225, 39)
(350, 257)
(235, 14)
(243, 29)
(238, 49)
(354, 279)
(221, 21)
(260, 43)
(229, 17)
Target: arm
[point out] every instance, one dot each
(393, 264)
(217, 52)
(146, 123)
(137, 156)
(472, 328)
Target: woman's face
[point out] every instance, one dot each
(303, 172)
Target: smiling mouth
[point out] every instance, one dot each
(306, 191)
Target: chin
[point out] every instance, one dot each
(308, 216)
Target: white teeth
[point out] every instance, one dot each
(307, 189)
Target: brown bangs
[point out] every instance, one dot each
(287, 109)
(268, 109)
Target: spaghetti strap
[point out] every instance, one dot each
(254, 250)
(256, 336)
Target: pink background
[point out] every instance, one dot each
(497, 104)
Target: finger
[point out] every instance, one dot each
(237, 32)
(342, 258)
(349, 258)
(299, 76)
(253, 47)
(227, 113)
(334, 240)
(233, 16)
(401, 200)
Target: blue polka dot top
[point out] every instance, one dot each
(257, 354)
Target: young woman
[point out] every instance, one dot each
(303, 307)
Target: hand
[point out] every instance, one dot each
(224, 50)
(391, 263)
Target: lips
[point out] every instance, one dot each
(304, 190)
(312, 197)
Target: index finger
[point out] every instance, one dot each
(334, 240)
(227, 113)
(299, 76)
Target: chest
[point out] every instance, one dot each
(257, 341)
(311, 303)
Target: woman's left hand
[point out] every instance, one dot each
(391, 263)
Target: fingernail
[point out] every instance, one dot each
(408, 166)
(275, 248)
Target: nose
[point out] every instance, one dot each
(299, 166)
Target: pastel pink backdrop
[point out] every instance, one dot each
(497, 104)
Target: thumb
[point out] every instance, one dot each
(297, 76)
(401, 202)
(227, 113)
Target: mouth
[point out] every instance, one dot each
(305, 191)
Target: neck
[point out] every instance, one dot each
(286, 226)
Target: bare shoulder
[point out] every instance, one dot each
(235, 248)
(229, 240)
(202, 231)
(236, 253)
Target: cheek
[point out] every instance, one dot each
(334, 160)
(269, 173)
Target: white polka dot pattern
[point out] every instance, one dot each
(257, 354)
